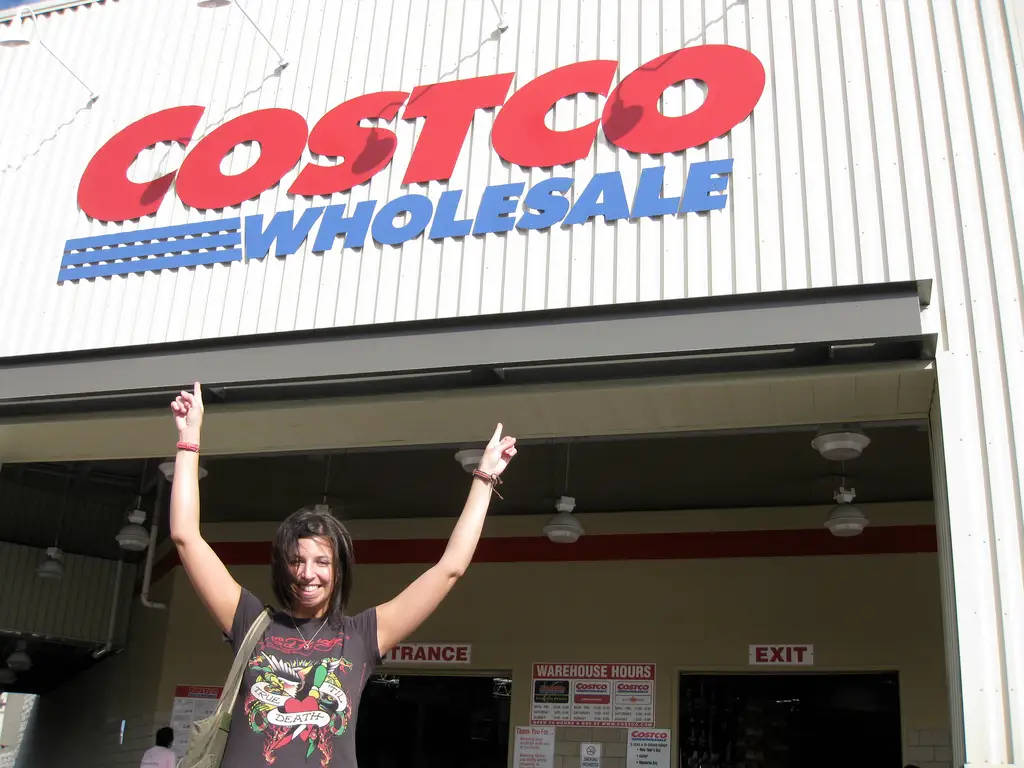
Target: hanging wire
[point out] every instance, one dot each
(565, 484)
(63, 511)
(142, 482)
(327, 477)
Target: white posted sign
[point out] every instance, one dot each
(590, 754)
(534, 748)
(191, 703)
(649, 748)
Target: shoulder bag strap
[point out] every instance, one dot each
(230, 691)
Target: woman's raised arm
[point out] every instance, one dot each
(400, 616)
(215, 586)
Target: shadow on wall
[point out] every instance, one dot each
(79, 724)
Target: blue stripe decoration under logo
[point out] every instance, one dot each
(144, 250)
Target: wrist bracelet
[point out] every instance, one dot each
(493, 480)
(184, 446)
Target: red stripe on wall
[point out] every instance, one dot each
(893, 539)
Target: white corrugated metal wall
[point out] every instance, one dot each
(886, 146)
(841, 174)
(76, 607)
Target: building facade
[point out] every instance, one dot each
(374, 223)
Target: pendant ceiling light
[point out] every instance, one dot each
(842, 443)
(469, 458)
(52, 566)
(563, 528)
(167, 470)
(323, 507)
(19, 35)
(132, 536)
(19, 660)
(846, 519)
(16, 34)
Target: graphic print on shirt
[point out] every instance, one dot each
(298, 702)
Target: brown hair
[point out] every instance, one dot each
(310, 523)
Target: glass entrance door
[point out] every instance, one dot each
(789, 721)
(434, 721)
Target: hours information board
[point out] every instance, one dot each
(617, 695)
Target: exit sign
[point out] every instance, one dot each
(781, 655)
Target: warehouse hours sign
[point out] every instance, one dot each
(582, 694)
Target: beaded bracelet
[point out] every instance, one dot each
(492, 480)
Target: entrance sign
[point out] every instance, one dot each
(191, 703)
(781, 655)
(429, 653)
(649, 748)
(605, 695)
(631, 120)
(534, 747)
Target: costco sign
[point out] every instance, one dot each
(630, 119)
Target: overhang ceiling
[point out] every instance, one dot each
(747, 468)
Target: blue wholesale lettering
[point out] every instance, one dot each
(500, 208)
(543, 205)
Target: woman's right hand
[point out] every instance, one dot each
(187, 408)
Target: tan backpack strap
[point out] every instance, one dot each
(227, 696)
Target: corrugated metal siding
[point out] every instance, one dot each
(77, 607)
(843, 174)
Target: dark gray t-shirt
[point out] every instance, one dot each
(297, 705)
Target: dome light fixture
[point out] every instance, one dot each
(563, 528)
(19, 660)
(16, 34)
(469, 458)
(845, 519)
(842, 443)
(53, 566)
(167, 470)
(133, 537)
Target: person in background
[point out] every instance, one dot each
(160, 756)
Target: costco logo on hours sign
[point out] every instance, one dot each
(630, 120)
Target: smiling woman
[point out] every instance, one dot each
(303, 681)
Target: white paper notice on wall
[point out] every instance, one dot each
(590, 754)
(191, 703)
(649, 748)
(534, 747)
(770, 655)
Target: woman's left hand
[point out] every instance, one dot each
(498, 453)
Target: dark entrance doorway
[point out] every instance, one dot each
(434, 721)
(789, 721)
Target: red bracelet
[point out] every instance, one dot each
(492, 480)
(183, 446)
